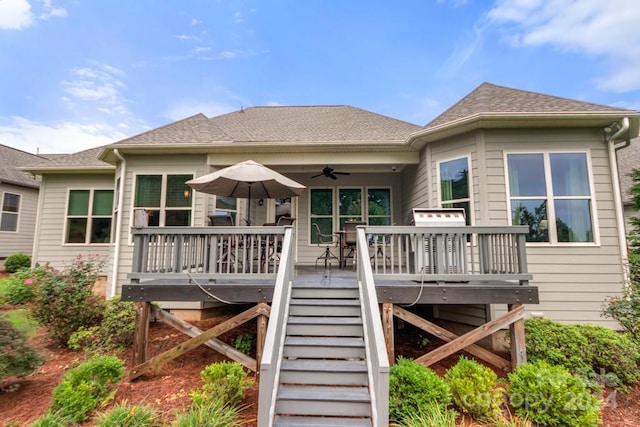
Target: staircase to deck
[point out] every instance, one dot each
(323, 376)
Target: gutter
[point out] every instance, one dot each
(116, 251)
(623, 127)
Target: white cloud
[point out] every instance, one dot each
(592, 27)
(15, 14)
(100, 84)
(50, 10)
(58, 137)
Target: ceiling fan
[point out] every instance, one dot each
(329, 173)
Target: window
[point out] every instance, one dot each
(350, 208)
(321, 211)
(551, 193)
(10, 210)
(89, 216)
(454, 185)
(166, 198)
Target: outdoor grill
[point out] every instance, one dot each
(443, 253)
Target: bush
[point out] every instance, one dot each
(214, 413)
(626, 307)
(16, 356)
(86, 386)
(19, 288)
(114, 332)
(597, 353)
(474, 388)
(413, 388)
(52, 419)
(433, 416)
(123, 415)
(16, 262)
(224, 380)
(551, 396)
(65, 301)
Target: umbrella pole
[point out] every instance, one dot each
(249, 205)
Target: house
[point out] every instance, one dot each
(19, 198)
(505, 155)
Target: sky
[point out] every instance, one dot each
(79, 74)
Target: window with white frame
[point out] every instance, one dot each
(455, 185)
(10, 211)
(551, 193)
(166, 199)
(350, 208)
(226, 205)
(89, 216)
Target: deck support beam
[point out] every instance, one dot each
(199, 337)
(387, 329)
(141, 333)
(513, 318)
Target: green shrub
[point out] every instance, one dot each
(551, 396)
(114, 332)
(244, 342)
(16, 356)
(474, 388)
(52, 419)
(223, 380)
(626, 307)
(413, 388)
(123, 415)
(433, 415)
(65, 301)
(214, 413)
(594, 352)
(17, 262)
(86, 386)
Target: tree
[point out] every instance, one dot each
(634, 233)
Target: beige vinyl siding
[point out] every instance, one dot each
(52, 216)
(21, 240)
(573, 281)
(168, 165)
(415, 185)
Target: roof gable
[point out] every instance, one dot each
(10, 160)
(490, 98)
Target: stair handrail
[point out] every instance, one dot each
(375, 347)
(276, 331)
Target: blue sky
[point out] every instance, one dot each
(77, 74)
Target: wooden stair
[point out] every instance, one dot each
(323, 376)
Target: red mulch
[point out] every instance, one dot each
(24, 400)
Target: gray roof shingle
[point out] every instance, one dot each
(331, 123)
(10, 159)
(490, 98)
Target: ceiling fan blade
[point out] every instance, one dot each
(332, 176)
(342, 173)
(315, 176)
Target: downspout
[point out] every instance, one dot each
(116, 251)
(617, 197)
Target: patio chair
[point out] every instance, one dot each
(221, 220)
(350, 239)
(326, 241)
(285, 220)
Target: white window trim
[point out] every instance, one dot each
(335, 217)
(18, 214)
(87, 240)
(553, 236)
(163, 198)
(471, 214)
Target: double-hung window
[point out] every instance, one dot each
(454, 185)
(10, 211)
(552, 194)
(89, 216)
(166, 199)
(321, 212)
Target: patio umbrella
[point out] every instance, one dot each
(247, 180)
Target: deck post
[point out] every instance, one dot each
(518, 344)
(261, 335)
(387, 326)
(141, 332)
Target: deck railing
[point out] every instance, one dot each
(274, 340)
(376, 351)
(162, 252)
(458, 253)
